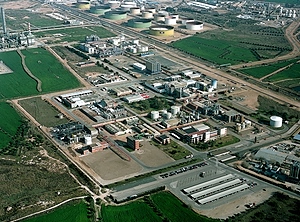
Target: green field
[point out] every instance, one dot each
(173, 149)
(42, 111)
(67, 213)
(19, 19)
(71, 34)
(261, 71)
(292, 72)
(10, 120)
(43, 65)
(134, 211)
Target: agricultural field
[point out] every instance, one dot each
(43, 65)
(235, 41)
(10, 120)
(75, 212)
(19, 19)
(162, 206)
(289, 84)
(291, 73)
(42, 111)
(71, 34)
(261, 71)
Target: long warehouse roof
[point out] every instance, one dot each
(208, 183)
(223, 194)
(216, 188)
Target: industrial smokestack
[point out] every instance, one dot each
(3, 21)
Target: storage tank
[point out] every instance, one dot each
(147, 14)
(175, 15)
(83, 4)
(135, 10)
(170, 20)
(139, 23)
(163, 112)
(161, 30)
(238, 127)
(126, 8)
(175, 110)
(185, 20)
(159, 17)
(114, 4)
(275, 121)
(100, 10)
(154, 115)
(168, 115)
(115, 15)
(214, 83)
(194, 26)
(153, 10)
(165, 13)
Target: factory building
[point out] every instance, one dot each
(121, 91)
(295, 170)
(153, 67)
(133, 142)
(163, 139)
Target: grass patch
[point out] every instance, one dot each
(280, 207)
(218, 143)
(174, 150)
(176, 211)
(77, 34)
(42, 111)
(75, 212)
(134, 211)
(290, 84)
(10, 120)
(155, 103)
(43, 65)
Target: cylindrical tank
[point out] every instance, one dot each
(161, 30)
(153, 10)
(135, 10)
(159, 17)
(195, 26)
(163, 13)
(139, 23)
(83, 4)
(214, 83)
(275, 121)
(168, 115)
(185, 20)
(163, 112)
(170, 20)
(99, 10)
(147, 14)
(114, 4)
(175, 110)
(115, 15)
(175, 15)
(154, 115)
(238, 127)
(127, 7)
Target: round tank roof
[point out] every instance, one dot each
(194, 23)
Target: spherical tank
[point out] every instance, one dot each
(114, 4)
(175, 110)
(161, 30)
(147, 14)
(100, 10)
(275, 121)
(154, 115)
(195, 26)
(115, 15)
(159, 17)
(139, 23)
(135, 10)
(83, 4)
(185, 20)
(170, 20)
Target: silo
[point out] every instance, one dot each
(147, 14)
(159, 17)
(275, 121)
(169, 20)
(214, 83)
(154, 115)
(175, 110)
(135, 10)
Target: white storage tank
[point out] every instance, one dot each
(154, 115)
(114, 4)
(175, 15)
(159, 17)
(194, 26)
(168, 115)
(135, 10)
(126, 8)
(175, 110)
(165, 13)
(153, 10)
(185, 20)
(276, 121)
(147, 14)
(170, 20)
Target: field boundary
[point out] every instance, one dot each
(39, 82)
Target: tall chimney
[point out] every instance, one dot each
(3, 21)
